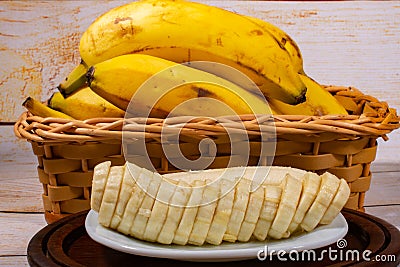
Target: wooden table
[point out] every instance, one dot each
(343, 43)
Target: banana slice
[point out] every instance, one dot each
(144, 212)
(337, 204)
(253, 210)
(277, 174)
(242, 192)
(160, 209)
(287, 207)
(311, 184)
(175, 212)
(205, 214)
(110, 196)
(189, 214)
(327, 191)
(223, 212)
(100, 176)
(126, 190)
(135, 201)
(272, 198)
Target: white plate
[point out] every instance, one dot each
(319, 237)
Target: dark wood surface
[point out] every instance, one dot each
(66, 243)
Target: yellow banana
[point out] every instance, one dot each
(120, 80)
(285, 41)
(39, 109)
(183, 31)
(318, 102)
(84, 104)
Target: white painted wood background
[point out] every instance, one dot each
(343, 43)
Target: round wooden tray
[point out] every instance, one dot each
(66, 243)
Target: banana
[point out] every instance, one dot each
(185, 226)
(175, 212)
(205, 214)
(287, 207)
(216, 205)
(271, 202)
(135, 200)
(84, 104)
(100, 171)
(168, 29)
(139, 224)
(239, 208)
(318, 102)
(311, 185)
(119, 80)
(284, 40)
(256, 201)
(159, 211)
(327, 191)
(111, 192)
(37, 108)
(338, 202)
(128, 182)
(223, 212)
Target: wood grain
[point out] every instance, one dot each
(10, 261)
(388, 213)
(16, 230)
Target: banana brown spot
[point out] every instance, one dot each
(118, 20)
(256, 32)
(201, 92)
(90, 75)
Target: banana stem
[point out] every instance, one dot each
(75, 80)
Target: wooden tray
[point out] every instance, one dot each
(66, 243)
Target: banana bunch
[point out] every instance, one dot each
(129, 44)
(170, 30)
(212, 206)
(125, 48)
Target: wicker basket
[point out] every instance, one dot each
(67, 150)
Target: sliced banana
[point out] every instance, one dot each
(241, 199)
(189, 214)
(287, 207)
(272, 198)
(205, 214)
(175, 212)
(142, 217)
(252, 214)
(311, 184)
(337, 204)
(110, 196)
(100, 176)
(223, 211)
(328, 188)
(135, 201)
(126, 190)
(215, 205)
(160, 209)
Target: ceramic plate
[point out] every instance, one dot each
(319, 237)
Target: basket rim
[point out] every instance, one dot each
(378, 121)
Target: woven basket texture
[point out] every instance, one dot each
(68, 150)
